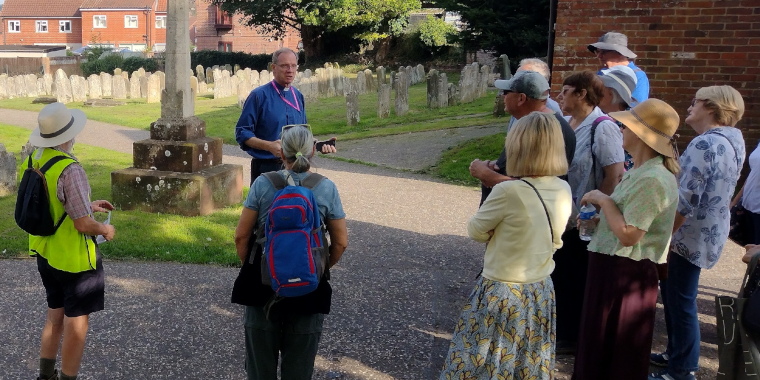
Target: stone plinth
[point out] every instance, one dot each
(188, 128)
(189, 194)
(179, 156)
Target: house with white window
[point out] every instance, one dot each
(42, 23)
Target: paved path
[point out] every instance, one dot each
(398, 289)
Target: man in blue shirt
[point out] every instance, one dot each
(267, 109)
(612, 50)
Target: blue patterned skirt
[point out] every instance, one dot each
(506, 331)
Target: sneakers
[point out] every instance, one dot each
(54, 377)
(660, 360)
(664, 375)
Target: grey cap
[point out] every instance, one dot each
(530, 83)
(613, 41)
(622, 79)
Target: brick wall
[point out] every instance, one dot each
(29, 36)
(117, 34)
(681, 45)
(243, 38)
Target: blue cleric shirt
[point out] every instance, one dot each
(268, 108)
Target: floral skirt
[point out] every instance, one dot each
(506, 331)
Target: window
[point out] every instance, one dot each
(130, 21)
(14, 26)
(64, 26)
(160, 22)
(225, 46)
(99, 21)
(42, 26)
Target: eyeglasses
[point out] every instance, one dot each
(505, 92)
(289, 126)
(285, 66)
(695, 100)
(601, 51)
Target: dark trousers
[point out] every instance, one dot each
(263, 166)
(753, 228)
(291, 339)
(569, 277)
(618, 319)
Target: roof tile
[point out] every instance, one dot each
(41, 8)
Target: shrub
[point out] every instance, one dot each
(132, 64)
(209, 58)
(434, 34)
(106, 63)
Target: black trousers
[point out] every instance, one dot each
(263, 166)
(569, 277)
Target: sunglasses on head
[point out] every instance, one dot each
(289, 126)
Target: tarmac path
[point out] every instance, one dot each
(397, 291)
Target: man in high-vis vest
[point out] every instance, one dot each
(68, 261)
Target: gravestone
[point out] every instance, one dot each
(144, 85)
(242, 93)
(384, 101)
(30, 82)
(200, 73)
(194, 85)
(10, 85)
(202, 88)
(20, 86)
(453, 94)
(95, 87)
(116, 72)
(178, 169)
(48, 78)
(134, 86)
(506, 70)
(62, 87)
(3, 86)
(41, 87)
(78, 88)
(443, 90)
(106, 83)
(118, 87)
(380, 71)
(361, 83)
(392, 79)
(352, 107)
(432, 89)
(8, 172)
(154, 89)
(483, 79)
(402, 94)
(209, 75)
(370, 85)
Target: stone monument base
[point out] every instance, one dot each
(189, 194)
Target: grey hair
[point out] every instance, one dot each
(298, 140)
(537, 65)
(280, 51)
(618, 100)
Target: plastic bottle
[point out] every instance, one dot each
(587, 225)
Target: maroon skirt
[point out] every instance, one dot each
(617, 323)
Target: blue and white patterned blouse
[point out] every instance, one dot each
(710, 169)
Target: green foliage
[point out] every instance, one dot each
(209, 58)
(132, 64)
(324, 23)
(435, 33)
(518, 28)
(105, 63)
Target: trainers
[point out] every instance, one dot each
(664, 375)
(660, 360)
(54, 377)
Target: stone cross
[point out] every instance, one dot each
(177, 100)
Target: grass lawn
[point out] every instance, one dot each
(455, 163)
(327, 116)
(139, 235)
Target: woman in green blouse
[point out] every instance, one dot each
(632, 236)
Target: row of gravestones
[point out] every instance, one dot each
(473, 84)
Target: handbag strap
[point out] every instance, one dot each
(546, 210)
(736, 153)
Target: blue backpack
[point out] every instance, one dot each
(295, 250)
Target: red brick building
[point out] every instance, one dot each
(682, 45)
(213, 29)
(137, 25)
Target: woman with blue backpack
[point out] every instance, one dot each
(284, 278)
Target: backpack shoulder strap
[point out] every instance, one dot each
(593, 134)
(312, 180)
(751, 267)
(276, 179)
(51, 162)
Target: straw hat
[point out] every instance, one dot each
(57, 125)
(654, 122)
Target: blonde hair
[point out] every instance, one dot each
(725, 102)
(535, 147)
(671, 164)
(298, 146)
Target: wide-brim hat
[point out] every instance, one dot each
(57, 124)
(654, 122)
(622, 79)
(613, 41)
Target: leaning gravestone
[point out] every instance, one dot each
(62, 87)
(8, 172)
(94, 84)
(384, 101)
(402, 94)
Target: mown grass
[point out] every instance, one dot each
(139, 235)
(326, 116)
(455, 163)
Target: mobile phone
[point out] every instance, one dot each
(319, 144)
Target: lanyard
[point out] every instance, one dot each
(295, 106)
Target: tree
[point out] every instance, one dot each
(325, 21)
(518, 28)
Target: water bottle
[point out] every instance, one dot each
(587, 225)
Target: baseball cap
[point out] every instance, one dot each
(530, 83)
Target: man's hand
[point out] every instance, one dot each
(327, 148)
(486, 172)
(109, 232)
(101, 206)
(752, 250)
(274, 147)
